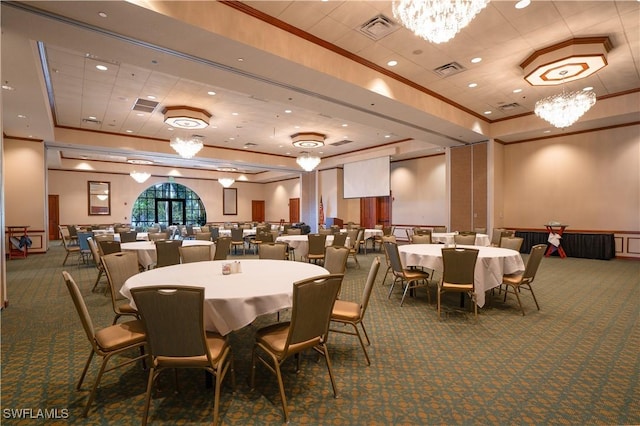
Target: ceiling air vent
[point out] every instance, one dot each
(509, 107)
(378, 27)
(340, 143)
(449, 69)
(144, 105)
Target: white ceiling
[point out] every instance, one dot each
(150, 54)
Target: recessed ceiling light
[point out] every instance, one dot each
(129, 131)
(102, 14)
(93, 117)
(586, 89)
(140, 114)
(476, 60)
(287, 111)
(345, 125)
(211, 93)
(6, 86)
(150, 97)
(232, 139)
(472, 85)
(547, 131)
(487, 112)
(22, 116)
(522, 4)
(240, 59)
(392, 63)
(101, 67)
(234, 113)
(387, 136)
(517, 90)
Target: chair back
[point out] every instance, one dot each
(387, 230)
(325, 231)
(513, 243)
(215, 233)
(158, 236)
(121, 229)
(368, 287)
(119, 267)
(223, 244)
(237, 235)
(317, 243)
(480, 230)
(339, 239)
(189, 254)
(391, 250)
(108, 247)
(264, 236)
(83, 243)
(95, 253)
(535, 257)
(205, 228)
(440, 229)
(81, 307)
(128, 236)
(313, 301)
(73, 231)
(465, 239)
(153, 229)
(422, 231)
(276, 251)
(421, 238)
(335, 259)
(294, 231)
(459, 265)
(167, 252)
(203, 236)
(498, 234)
(352, 234)
(173, 320)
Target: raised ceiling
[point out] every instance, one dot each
(50, 50)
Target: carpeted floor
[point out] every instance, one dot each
(575, 362)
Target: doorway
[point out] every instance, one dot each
(257, 210)
(54, 217)
(170, 211)
(294, 210)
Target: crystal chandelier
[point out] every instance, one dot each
(139, 177)
(564, 109)
(308, 162)
(437, 21)
(186, 147)
(226, 182)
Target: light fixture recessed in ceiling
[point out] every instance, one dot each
(308, 140)
(184, 117)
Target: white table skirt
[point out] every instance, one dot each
(448, 238)
(492, 264)
(245, 232)
(236, 300)
(146, 250)
(300, 243)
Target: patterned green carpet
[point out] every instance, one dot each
(575, 362)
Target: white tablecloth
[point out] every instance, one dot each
(245, 232)
(300, 243)
(146, 250)
(236, 300)
(369, 233)
(447, 238)
(140, 236)
(492, 263)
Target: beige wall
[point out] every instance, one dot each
(277, 197)
(590, 181)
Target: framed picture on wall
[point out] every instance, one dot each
(99, 198)
(229, 201)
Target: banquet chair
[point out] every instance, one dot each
(153, 229)
(128, 236)
(294, 231)
(69, 248)
(108, 247)
(95, 254)
(352, 313)
(355, 238)
(422, 231)
(223, 245)
(190, 254)
(106, 342)
(386, 231)
(262, 236)
(480, 230)
(215, 233)
(458, 274)
(393, 239)
(498, 234)
(119, 267)
(73, 234)
(313, 301)
(440, 229)
(237, 239)
(421, 238)
(158, 236)
(513, 243)
(103, 237)
(203, 236)
(85, 250)
(325, 231)
(410, 277)
(515, 282)
(465, 239)
(173, 319)
(339, 239)
(335, 259)
(275, 251)
(317, 244)
(167, 252)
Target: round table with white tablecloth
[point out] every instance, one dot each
(146, 250)
(492, 263)
(236, 300)
(448, 238)
(300, 243)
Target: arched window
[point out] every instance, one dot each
(168, 203)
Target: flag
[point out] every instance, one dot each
(321, 213)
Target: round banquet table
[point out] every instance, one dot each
(492, 263)
(146, 250)
(300, 243)
(236, 300)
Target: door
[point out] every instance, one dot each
(54, 217)
(257, 210)
(374, 211)
(294, 210)
(170, 212)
